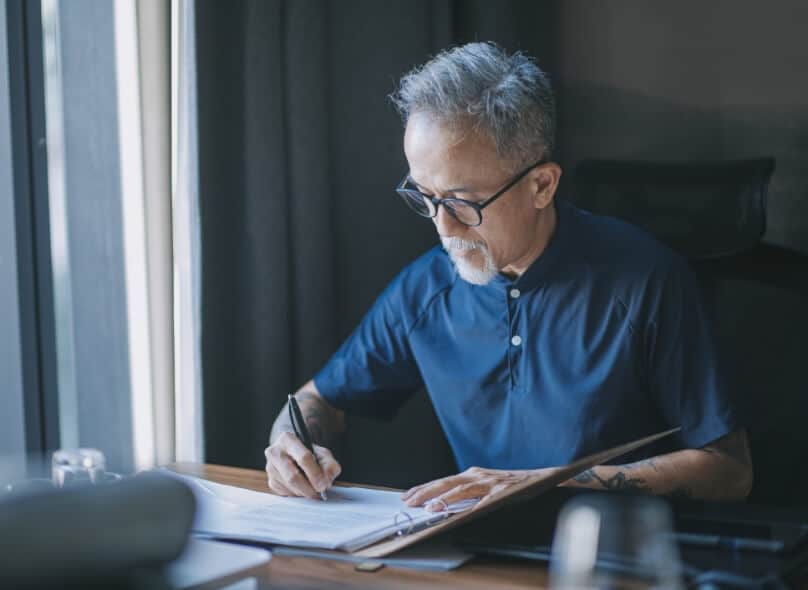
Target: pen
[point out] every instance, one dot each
(732, 543)
(301, 432)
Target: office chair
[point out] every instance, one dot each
(756, 294)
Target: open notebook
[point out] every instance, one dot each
(351, 519)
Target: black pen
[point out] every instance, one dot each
(301, 432)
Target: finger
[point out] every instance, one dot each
(278, 469)
(329, 464)
(275, 483)
(434, 489)
(269, 453)
(465, 491)
(413, 490)
(308, 464)
(293, 478)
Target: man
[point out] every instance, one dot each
(541, 333)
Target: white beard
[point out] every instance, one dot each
(476, 273)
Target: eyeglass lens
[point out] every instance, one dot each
(462, 211)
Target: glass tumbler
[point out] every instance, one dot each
(609, 540)
(71, 467)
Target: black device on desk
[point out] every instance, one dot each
(730, 543)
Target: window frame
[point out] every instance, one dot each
(32, 258)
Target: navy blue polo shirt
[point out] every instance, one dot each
(602, 340)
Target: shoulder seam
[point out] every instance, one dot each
(429, 303)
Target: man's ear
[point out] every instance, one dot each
(544, 183)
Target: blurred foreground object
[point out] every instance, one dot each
(80, 466)
(117, 536)
(613, 541)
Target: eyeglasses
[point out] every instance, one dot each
(466, 212)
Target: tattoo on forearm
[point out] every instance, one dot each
(323, 422)
(314, 415)
(585, 477)
(320, 419)
(617, 482)
(734, 445)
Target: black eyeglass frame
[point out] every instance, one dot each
(407, 193)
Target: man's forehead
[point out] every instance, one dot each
(445, 158)
(424, 132)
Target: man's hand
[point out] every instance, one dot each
(293, 471)
(291, 468)
(474, 482)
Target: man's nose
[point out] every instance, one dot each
(446, 223)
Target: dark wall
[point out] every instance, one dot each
(691, 80)
(701, 81)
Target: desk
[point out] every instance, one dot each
(306, 573)
(301, 572)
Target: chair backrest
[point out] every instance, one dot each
(756, 294)
(703, 211)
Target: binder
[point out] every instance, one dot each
(530, 488)
(404, 529)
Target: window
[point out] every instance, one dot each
(87, 271)
(12, 419)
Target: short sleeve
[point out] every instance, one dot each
(685, 377)
(373, 373)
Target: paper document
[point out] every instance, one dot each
(361, 520)
(352, 518)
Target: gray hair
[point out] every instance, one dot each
(506, 96)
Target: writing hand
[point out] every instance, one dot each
(293, 471)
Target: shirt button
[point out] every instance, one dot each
(516, 340)
(515, 293)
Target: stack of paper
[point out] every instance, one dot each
(352, 517)
(361, 520)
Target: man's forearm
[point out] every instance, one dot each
(323, 421)
(720, 471)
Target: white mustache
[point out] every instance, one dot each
(455, 243)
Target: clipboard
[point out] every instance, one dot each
(530, 488)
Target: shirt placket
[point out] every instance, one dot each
(515, 337)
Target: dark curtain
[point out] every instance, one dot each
(299, 149)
